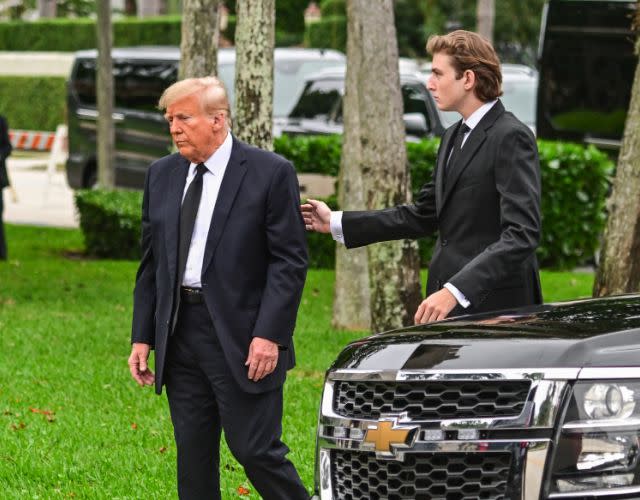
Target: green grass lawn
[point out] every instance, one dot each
(72, 421)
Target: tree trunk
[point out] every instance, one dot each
(199, 43)
(104, 91)
(486, 14)
(47, 8)
(619, 269)
(130, 8)
(374, 83)
(255, 41)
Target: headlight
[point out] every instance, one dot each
(599, 445)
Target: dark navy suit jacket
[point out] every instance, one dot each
(254, 266)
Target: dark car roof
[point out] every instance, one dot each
(225, 55)
(592, 332)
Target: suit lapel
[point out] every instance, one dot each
(442, 163)
(177, 180)
(475, 139)
(235, 172)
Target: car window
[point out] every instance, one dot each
(318, 99)
(138, 85)
(414, 101)
(288, 81)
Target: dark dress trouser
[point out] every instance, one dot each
(204, 399)
(3, 243)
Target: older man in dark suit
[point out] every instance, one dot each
(5, 151)
(217, 292)
(483, 200)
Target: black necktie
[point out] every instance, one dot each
(188, 214)
(455, 150)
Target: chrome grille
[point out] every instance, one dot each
(421, 476)
(430, 400)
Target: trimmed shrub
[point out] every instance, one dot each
(575, 183)
(76, 34)
(110, 222)
(327, 33)
(33, 102)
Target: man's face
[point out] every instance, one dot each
(448, 92)
(192, 130)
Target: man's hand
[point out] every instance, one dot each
(435, 307)
(262, 359)
(138, 364)
(317, 216)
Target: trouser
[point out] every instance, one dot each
(3, 243)
(204, 399)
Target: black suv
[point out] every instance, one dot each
(141, 74)
(532, 403)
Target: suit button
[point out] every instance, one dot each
(168, 322)
(444, 243)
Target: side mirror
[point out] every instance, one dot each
(415, 124)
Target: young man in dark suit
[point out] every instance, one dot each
(483, 199)
(5, 151)
(217, 293)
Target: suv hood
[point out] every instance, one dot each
(595, 332)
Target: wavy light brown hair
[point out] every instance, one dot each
(470, 51)
(213, 94)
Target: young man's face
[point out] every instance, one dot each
(448, 92)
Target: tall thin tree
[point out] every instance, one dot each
(199, 39)
(485, 16)
(255, 41)
(105, 91)
(377, 144)
(619, 269)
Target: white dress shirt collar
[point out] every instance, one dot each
(478, 114)
(217, 161)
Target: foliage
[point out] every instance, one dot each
(575, 184)
(21, 95)
(78, 34)
(289, 15)
(75, 425)
(328, 33)
(330, 8)
(110, 222)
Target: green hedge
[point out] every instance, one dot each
(575, 183)
(33, 102)
(110, 222)
(328, 33)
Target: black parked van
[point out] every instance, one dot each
(140, 75)
(587, 63)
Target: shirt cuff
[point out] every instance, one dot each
(462, 300)
(335, 224)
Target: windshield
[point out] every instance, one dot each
(288, 81)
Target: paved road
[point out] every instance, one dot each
(40, 199)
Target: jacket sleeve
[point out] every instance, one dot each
(415, 220)
(517, 177)
(144, 294)
(288, 258)
(5, 143)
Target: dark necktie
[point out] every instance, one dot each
(455, 151)
(188, 214)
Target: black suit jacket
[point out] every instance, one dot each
(487, 218)
(5, 151)
(254, 264)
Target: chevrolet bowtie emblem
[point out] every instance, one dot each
(386, 433)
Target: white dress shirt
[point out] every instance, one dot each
(211, 180)
(335, 222)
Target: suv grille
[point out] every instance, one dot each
(430, 400)
(422, 476)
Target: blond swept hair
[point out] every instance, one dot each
(213, 95)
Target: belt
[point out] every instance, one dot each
(191, 295)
